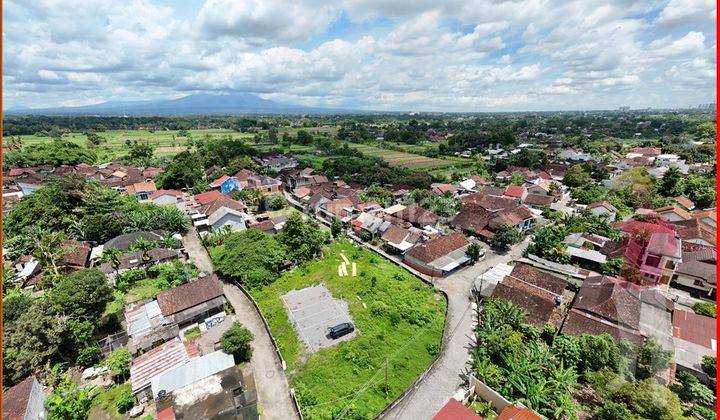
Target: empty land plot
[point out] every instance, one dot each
(399, 319)
(405, 160)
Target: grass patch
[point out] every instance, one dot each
(192, 333)
(400, 320)
(143, 289)
(104, 405)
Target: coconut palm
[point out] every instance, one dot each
(112, 257)
(144, 245)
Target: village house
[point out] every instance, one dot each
(225, 218)
(673, 213)
(536, 291)
(24, 401)
(620, 308)
(697, 275)
(193, 301)
(603, 209)
(516, 191)
(155, 362)
(418, 216)
(653, 248)
(443, 189)
(684, 202)
(141, 190)
(250, 180)
(269, 224)
(146, 327)
(276, 162)
(694, 336)
(166, 197)
(398, 239)
(440, 256)
(304, 178)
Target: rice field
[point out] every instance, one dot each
(165, 142)
(407, 160)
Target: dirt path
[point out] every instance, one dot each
(272, 386)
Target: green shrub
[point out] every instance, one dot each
(705, 308)
(236, 341)
(126, 400)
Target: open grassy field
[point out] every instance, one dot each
(407, 160)
(400, 321)
(166, 142)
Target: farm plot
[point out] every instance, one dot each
(406, 160)
(165, 142)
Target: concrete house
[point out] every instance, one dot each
(440, 256)
(193, 301)
(603, 209)
(227, 218)
(141, 190)
(166, 197)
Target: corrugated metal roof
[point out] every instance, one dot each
(195, 370)
(155, 362)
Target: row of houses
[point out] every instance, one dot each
(585, 302)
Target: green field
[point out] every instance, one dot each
(166, 142)
(399, 319)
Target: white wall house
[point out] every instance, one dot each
(224, 216)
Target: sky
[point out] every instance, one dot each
(420, 55)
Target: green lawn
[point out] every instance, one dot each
(399, 319)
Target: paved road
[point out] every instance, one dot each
(270, 380)
(446, 376)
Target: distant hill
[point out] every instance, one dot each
(199, 104)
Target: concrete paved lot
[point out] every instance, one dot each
(312, 311)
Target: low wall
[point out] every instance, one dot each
(488, 394)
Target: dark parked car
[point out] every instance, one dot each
(341, 329)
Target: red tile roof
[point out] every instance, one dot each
(15, 399)
(207, 197)
(141, 187)
(160, 193)
(454, 410)
(78, 253)
(438, 247)
(695, 328)
(515, 191)
(685, 202)
(511, 412)
(189, 294)
(472, 217)
(417, 215)
(216, 183)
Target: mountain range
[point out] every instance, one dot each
(197, 104)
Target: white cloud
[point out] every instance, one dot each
(687, 12)
(261, 21)
(474, 55)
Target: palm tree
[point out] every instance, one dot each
(112, 256)
(144, 245)
(167, 241)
